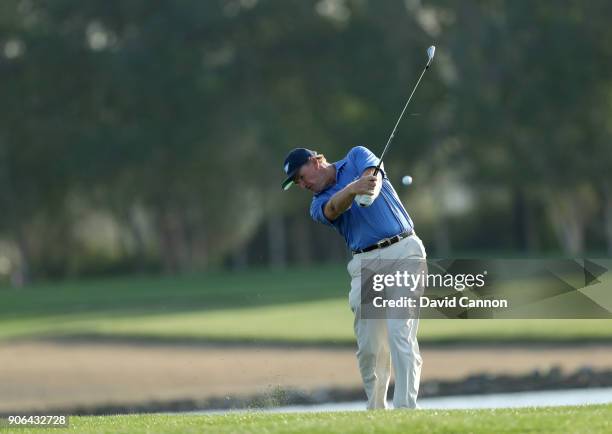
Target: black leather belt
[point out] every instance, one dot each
(385, 243)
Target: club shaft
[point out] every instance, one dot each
(399, 119)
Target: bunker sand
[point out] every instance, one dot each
(46, 374)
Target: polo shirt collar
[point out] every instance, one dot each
(339, 165)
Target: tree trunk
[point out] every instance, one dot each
(276, 241)
(607, 212)
(171, 239)
(441, 236)
(442, 241)
(531, 233)
(189, 253)
(524, 225)
(198, 242)
(302, 242)
(165, 244)
(136, 231)
(21, 276)
(240, 258)
(568, 219)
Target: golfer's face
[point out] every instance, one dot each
(309, 177)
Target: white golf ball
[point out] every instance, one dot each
(407, 180)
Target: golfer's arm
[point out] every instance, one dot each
(342, 200)
(339, 203)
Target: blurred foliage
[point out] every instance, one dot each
(174, 118)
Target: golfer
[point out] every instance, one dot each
(381, 231)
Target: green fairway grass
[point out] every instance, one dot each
(577, 419)
(298, 305)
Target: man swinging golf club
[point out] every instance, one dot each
(355, 196)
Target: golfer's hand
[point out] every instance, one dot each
(365, 185)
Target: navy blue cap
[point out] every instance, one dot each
(296, 159)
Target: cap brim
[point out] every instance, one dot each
(287, 184)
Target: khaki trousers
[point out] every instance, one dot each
(382, 342)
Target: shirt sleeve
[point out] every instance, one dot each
(316, 210)
(362, 158)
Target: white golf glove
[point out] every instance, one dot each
(364, 200)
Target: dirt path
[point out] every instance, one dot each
(38, 375)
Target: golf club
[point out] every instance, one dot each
(364, 199)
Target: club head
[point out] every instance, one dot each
(430, 52)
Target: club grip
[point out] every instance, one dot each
(364, 200)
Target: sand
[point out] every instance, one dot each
(48, 374)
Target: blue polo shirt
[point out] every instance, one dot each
(362, 226)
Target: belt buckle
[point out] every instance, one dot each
(384, 243)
